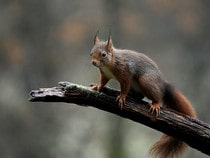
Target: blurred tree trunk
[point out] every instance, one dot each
(198, 46)
(32, 29)
(112, 12)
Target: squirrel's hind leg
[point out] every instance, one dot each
(152, 91)
(155, 108)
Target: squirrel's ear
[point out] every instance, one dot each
(96, 38)
(109, 44)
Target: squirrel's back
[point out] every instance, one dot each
(137, 63)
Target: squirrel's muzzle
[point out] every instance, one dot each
(94, 63)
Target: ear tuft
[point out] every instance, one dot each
(96, 38)
(109, 44)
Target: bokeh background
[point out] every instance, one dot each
(43, 42)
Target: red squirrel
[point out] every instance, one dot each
(137, 72)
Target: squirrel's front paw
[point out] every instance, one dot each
(121, 100)
(95, 87)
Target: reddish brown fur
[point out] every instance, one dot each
(174, 99)
(136, 72)
(167, 147)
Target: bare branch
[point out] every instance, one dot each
(193, 132)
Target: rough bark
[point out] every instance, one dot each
(193, 132)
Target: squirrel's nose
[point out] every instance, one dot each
(94, 63)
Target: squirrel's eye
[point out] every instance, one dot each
(104, 54)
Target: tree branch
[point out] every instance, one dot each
(192, 131)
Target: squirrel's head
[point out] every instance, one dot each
(102, 52)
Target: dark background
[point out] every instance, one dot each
(43, 42)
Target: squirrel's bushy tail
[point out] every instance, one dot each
(174, 99)
(167, 146)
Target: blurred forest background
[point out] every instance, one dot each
(43, 42)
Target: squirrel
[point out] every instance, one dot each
(138, 73)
